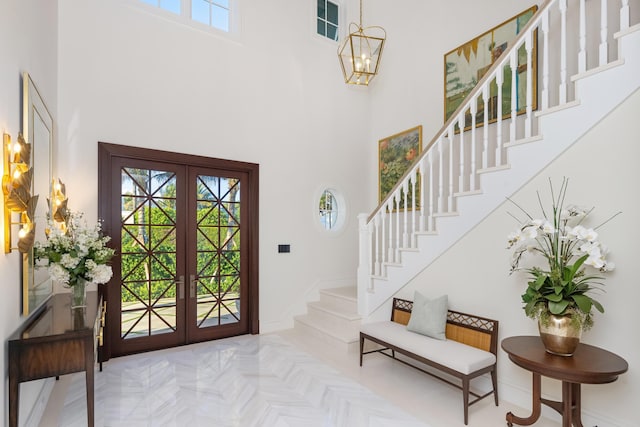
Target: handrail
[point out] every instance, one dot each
(487, 78)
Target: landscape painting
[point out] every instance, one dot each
(395, 155)
(465, 65)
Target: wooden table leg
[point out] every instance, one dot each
(14, 399)
(577, 405)
(567, 404)
(89, 380)
(536, 406)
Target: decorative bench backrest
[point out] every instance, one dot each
(465, 328)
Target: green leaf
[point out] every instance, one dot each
(554, 297)
(583, 302)
(558, 307)
(597, 305)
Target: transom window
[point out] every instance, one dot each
(327, 21)
(213, 13)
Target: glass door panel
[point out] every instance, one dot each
(148, 246)
(218, 279)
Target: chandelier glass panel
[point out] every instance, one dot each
(360, 52)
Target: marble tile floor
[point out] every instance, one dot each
(283, 379)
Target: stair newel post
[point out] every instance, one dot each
(582, 55)
(499, 82)
(440, 176)
(545, 61)
(462, 177)
(365, 262)
(451, 171)
(624, 15)
(431, 192)
(474, 150)
(485, 127)
(603, 57)
(513, 62)
(528, 121)
(562, 4)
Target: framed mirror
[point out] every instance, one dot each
(37, 129)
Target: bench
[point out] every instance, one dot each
(469, 351)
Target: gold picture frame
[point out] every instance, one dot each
(396, 154)
(465, 65)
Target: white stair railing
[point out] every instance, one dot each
(451, 164)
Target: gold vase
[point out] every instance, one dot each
(560, 334)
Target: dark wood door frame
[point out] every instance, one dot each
(106, 154)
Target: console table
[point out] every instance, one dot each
(588, 365)
(55, 341)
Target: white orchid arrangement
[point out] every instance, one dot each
(76, 251)
(568, 247)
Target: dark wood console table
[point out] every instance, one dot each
(55, 341)
(588, 365)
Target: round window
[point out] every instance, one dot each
(331, 210)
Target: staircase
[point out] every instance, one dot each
(333, 320)
(583, 72)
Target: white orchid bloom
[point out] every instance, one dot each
(595, 260)
(513, 238)
(591, 248)
(581, 233)
(608, 266)
(529, 233)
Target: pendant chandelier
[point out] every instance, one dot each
(360, 53)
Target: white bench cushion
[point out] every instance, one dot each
(452, 354)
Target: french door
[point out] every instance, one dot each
(185, 232)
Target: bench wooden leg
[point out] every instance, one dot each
(361, 348)
(494, 380)
(465, 398)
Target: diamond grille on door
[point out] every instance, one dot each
(218, 251)
(148, 251)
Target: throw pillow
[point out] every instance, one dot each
(429, 317)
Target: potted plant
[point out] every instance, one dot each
(559, 294)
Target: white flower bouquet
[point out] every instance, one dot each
(76, 252)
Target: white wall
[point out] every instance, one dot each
(273, 96)
(28, 42)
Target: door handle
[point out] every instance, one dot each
(180, 283)
(192, 286)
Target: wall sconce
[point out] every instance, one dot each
(59, 213)
(16, 186)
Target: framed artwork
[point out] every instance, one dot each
(465, 65)
(395, 155)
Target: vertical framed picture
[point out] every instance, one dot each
(465, 65)
(396, 154)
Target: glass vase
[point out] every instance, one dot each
(79, 293)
